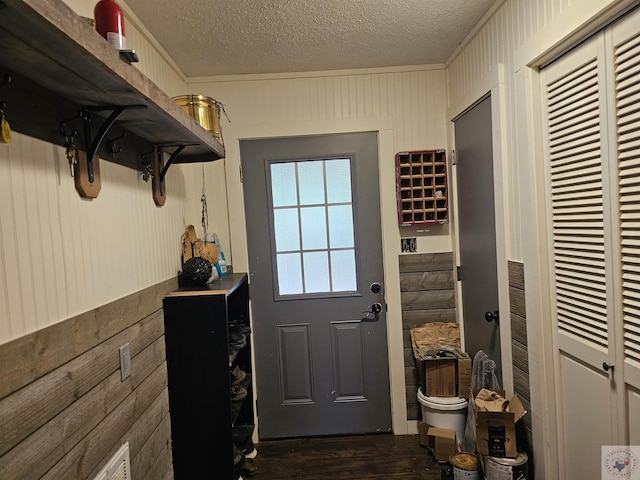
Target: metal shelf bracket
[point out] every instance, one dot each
(160, 169)
(92, 144)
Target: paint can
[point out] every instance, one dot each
(507, 468)
(466, 466)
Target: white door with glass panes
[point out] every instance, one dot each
(317, 292)
(591, 101)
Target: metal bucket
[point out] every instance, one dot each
(204, 110)
(466, 466)
(507, 468)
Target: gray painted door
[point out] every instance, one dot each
(314, 241)
(477, 232)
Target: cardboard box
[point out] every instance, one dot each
(446, 377)
(440, 378)
(464, 376)
(496, 431)
(441, 441)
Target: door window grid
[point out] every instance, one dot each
(313, 226)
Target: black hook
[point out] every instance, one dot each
(146, 172)
(63, 126)
(145, 161)
(114, 148)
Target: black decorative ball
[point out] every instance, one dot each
(197, 271)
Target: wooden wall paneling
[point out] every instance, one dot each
(162, 466)
(427, 299)
(519, 329)
(526, 420)
(77, 412)
(150, 454)
(32, 406)
(516, 275)
(38, 454)
(427, 295)
(426, 262)
(169, 474)
(517, 301)
(83, 458)
(433, 280)
(521, 383)
(408, 356)
(520, 356)
(411, 318)
(46, 349)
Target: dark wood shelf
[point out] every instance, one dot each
(59, 64)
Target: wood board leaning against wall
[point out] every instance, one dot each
(65, 409)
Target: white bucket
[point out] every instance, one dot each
(445, 412)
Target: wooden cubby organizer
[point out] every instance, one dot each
(421, 187)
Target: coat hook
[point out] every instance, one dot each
(146, 171)
(63, 127)
(115, 150)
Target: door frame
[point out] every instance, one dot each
(390, 234)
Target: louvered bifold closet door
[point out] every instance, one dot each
(578, 192)
(579, 226)
(626, 67)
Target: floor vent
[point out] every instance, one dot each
(118, 467)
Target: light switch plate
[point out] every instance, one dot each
(408, 245)
(125, 361)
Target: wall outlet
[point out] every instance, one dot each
(125, 361)
(408, 245)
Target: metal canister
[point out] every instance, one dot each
(204, 110)
(497, 468)
(466, 466)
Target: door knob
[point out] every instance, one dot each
(490, 317)
(374, 310)
(607, 366)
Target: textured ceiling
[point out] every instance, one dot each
(223, 37)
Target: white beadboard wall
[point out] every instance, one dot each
(509, 37)
(61, 255)
(515, 35)
(414, 97)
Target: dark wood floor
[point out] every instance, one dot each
(366, 457)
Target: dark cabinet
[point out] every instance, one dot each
(199, 360)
